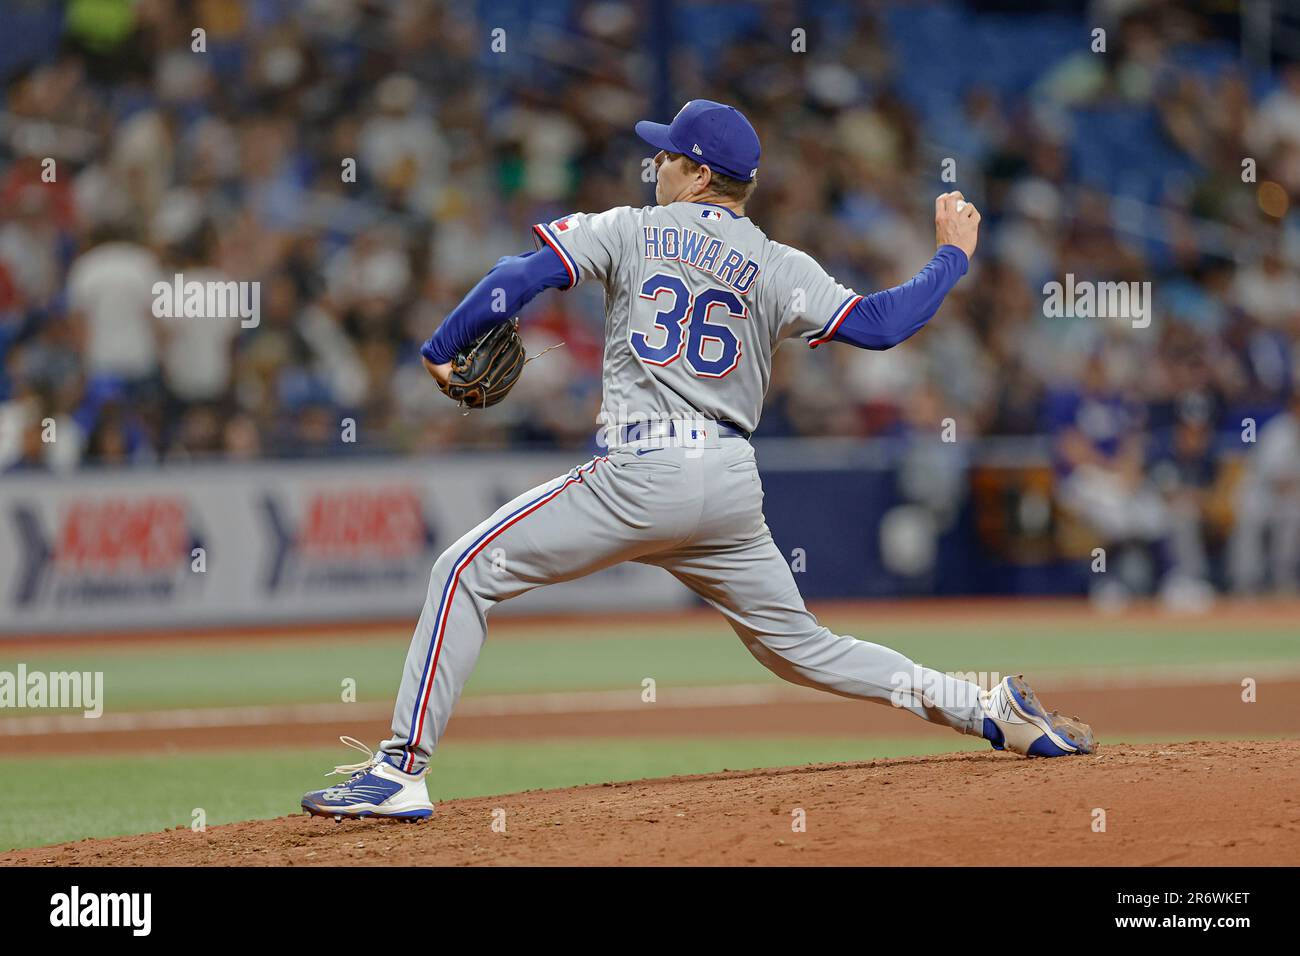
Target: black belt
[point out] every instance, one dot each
(732, 428)
(646, 431)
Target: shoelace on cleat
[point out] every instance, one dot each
(355, 769)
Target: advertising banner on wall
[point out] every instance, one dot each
(215, 545)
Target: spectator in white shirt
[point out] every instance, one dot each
(1266, 537)
(110, 292)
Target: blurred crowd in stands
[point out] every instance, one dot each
(1162, 158)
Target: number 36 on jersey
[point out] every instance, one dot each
(690, 328)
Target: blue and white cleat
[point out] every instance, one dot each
(1015, 720)
(375, 788)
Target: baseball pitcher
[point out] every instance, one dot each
(697, 299)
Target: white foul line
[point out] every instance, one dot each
(600, 701)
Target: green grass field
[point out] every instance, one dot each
(203, 673)
(53, 799)
(147, 793)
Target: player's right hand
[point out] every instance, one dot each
(956, 227)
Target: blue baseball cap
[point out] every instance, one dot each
(711, 133)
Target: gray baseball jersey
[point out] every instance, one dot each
(697, 299)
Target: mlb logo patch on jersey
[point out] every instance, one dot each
(567, 224)
(711, 214)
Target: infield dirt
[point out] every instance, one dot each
(1197, 803)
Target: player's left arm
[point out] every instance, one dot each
(513, 282)
(577, 246)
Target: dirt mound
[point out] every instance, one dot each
(1229, 803)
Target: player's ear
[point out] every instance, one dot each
(703, 176)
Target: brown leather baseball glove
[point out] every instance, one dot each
(483, 374)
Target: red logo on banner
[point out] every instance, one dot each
(357, 523)
(119, 534)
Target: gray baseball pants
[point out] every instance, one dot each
(697, 512)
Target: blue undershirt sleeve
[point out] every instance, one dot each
(519, 279)
(886, 318)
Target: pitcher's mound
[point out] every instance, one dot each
(1229, 803)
